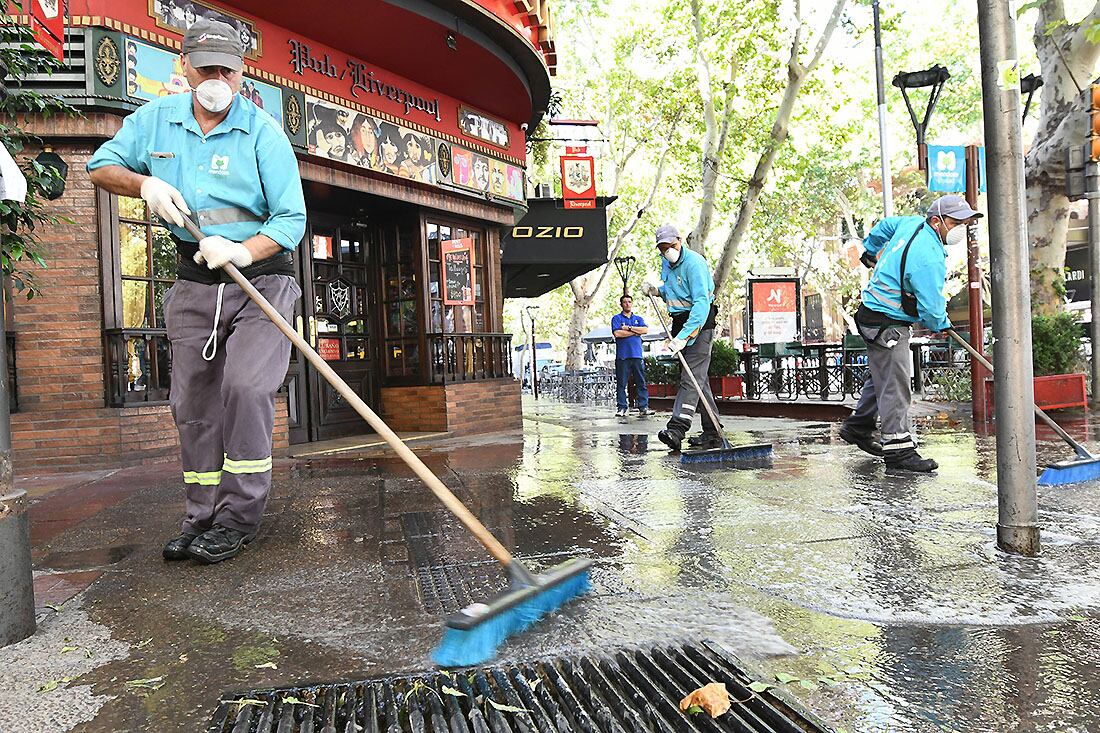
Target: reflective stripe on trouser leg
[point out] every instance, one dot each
(890, 372)
(697, 356)
(188, 312)
(256, 358)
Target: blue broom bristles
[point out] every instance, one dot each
(733, 454)
(464, 648)
(1070, 473)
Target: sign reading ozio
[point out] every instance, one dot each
(547, 232)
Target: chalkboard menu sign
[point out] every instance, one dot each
(458, 272)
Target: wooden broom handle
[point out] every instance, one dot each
(438, 487)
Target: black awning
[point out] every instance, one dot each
(551, 245)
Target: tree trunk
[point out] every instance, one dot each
(578, 324)
(1067, 61)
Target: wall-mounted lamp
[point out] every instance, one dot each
(452, 42)
(50, 160)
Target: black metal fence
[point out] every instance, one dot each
(583, 385)
(468, 357)
(139, 366)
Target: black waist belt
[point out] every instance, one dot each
(679, 319)
(870, 317)
(187, 269)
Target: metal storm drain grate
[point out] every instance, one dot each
(631, 690)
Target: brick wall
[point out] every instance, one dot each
(463, 408)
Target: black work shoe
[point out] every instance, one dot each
(176, 549)
(671, 439)
(705, 440)
(912, 463)
(864, 441)
(219, 543)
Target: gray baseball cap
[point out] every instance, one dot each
(954, 206)
(213, 43)
(667, 233)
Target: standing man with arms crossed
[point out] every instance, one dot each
(215, 153)
(688, 287)
(909, 259)
(627, 328)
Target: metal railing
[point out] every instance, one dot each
(468, 357)
(941, 371)
(814, 371)
(13, 385)
(583, 385)
(139, 366)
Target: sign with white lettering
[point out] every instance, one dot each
(774, 310)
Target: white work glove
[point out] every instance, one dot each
(652, 285)
(164, 200)
(677, 345)
(216, 251)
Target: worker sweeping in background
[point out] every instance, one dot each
(216, 152)
(687, 286)
(909, 259)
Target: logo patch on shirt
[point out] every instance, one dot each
(219, 165)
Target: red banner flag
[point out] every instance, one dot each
(578, 181)
(48, 25)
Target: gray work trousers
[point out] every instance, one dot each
(697, 356)
(228, 360)
(886, 393)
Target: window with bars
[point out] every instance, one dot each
(138, 350)
(455, 318)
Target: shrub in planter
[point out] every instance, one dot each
(1056, 344)
(662, 375)
(724, 362)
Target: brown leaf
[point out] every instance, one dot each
(713, 698)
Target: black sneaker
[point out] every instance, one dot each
(671, 439)
(645, 412)
(219, 543)
(912, 463)
(864, 441)
(621, 412)
(176, 549)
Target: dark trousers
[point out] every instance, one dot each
(624, 370)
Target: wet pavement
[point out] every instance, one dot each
(881, 600)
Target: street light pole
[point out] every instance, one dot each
(531, 311)
(884, 154)
(1017, 504)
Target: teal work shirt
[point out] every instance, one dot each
(925, 271)
(239, 180)
(688, 286)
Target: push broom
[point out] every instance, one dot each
(727, 452)
(472, 635)
(1085, 467)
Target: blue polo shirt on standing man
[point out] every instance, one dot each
(627, 328)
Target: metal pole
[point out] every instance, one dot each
(1017, 505)
(978, 373)
(16, 583)
(534, 360)
(884, 155)
(1092, 188)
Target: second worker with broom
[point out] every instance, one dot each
(687, 286)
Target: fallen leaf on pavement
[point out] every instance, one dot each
(152, 683)
(713, 698)
(266, 665)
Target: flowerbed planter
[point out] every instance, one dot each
(1052, 392)
(662, 390)
(727, 386)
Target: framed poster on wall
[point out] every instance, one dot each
(775, 313)
(458, 271)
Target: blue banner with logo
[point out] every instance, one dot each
(947, 168)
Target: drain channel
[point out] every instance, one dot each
(630, 690)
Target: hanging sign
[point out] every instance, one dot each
(458, 271)
(48, 25)
(774, 310)
(578, 181)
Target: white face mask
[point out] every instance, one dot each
(214, 95)
(957, 236)
(672, 255)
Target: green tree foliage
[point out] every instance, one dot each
(20, 246)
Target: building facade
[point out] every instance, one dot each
(408, 119)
